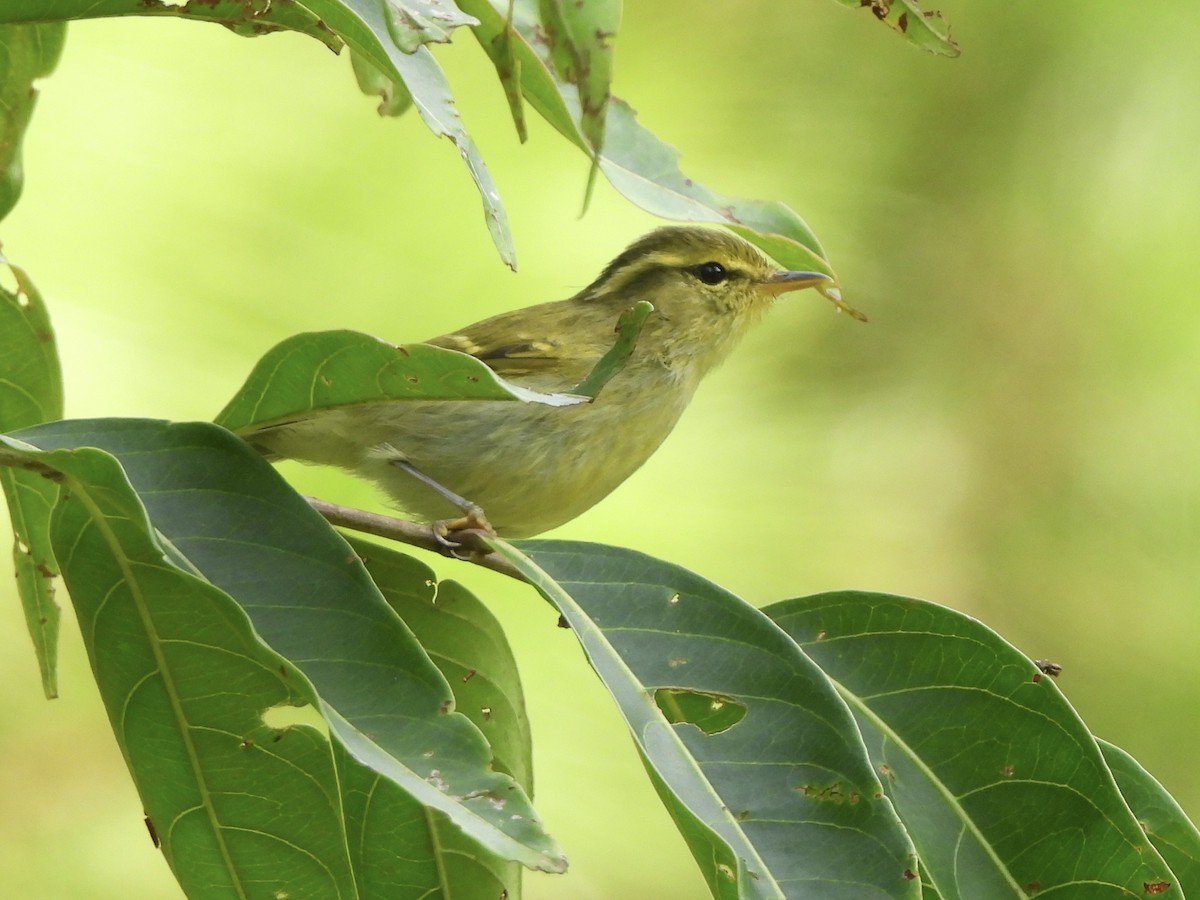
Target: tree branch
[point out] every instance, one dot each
(469, 542)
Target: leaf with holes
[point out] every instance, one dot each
(755, 755)
(219, 512)
(927, 30)
(1001, 786)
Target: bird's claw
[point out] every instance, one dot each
(468, 529)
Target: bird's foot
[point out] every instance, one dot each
(462, 538)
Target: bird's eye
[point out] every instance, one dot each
(711, 273)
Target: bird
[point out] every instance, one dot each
(523, 468)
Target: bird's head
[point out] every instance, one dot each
(707, 287)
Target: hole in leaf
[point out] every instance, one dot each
(711, 713)
(284, 716)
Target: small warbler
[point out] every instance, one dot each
(528, 466)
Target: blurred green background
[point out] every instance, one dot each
(1015, 434)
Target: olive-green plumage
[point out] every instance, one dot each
(532, 467)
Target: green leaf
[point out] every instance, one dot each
(774, 804)
(248, 19)
(927, 30)
(629, 327)
(27, 53)
(310, 372)
(365, 28)
(466, 643)
(30, 375)
(639, 165)
(412, 23)
(501, 49)
(580, 39)
(1168, 828)
(394, 98)
(226, 516)
(1001, 786)
(184, 681)
(31, 392)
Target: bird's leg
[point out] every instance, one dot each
(471, 519)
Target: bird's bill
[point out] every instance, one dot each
(782, 282)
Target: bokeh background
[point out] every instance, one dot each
(1015, 434)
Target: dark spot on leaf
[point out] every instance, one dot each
(743, 815)
(412, 379)
(278, 737)
(470, 674)
(1007, 771)
(903, 22)
(886, 772)
(831, 793)
(909, 874)
(325, 380)
(245, 743)
(153, 833)
(1037, 676)
(403, 351)
(563, 623)
(283, 673)
(854, 797)
(44, 570)
(445, 706)
(1154, 888)
(1034, 887)
(486, 711)
(879, 8)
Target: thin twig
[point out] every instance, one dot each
(414, 535)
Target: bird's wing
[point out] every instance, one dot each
(545, 358)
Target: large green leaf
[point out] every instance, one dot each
(31, 392)
(27, 53)
(248, 19)
(758, 759)
(1001, 786)
(310, 372)
(927, 30)
(466, 643)
(645, 170)
(1168, 828)
(220, 512)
